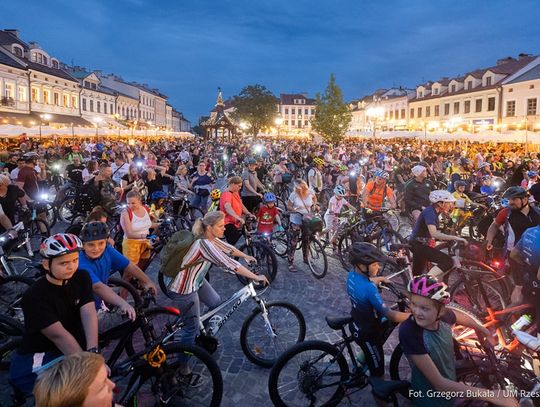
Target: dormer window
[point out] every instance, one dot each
(469, 85)
(435, 91)
(17, 50)
(55, 64)
(488, 81)
(421, 94)
(453, 88)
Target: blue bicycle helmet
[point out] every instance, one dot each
(531, 174)
(269, 197)
(158, 195)
(381, 173)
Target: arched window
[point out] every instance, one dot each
(17, 50)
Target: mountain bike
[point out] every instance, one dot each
(318, 373)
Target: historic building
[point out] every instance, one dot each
(296, 111)
(14, 85)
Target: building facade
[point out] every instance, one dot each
(14, 84)
(296, 111)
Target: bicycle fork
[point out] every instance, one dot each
(264, 313)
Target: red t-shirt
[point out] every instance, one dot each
(236, 204)
(266, 218)
(27, 175)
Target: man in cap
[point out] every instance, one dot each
(417, 192)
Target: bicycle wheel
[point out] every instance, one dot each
(387, 238)
(465, 336)
(12, 289)
(9, 327)
(21, 266)
(170, 386)
(310, 373)
(344, 244)
(399, 367)
(266, 262)
(288, 326)
(467, 291)
(317, 260)
(125, 290)
(160, 318)
(50, 213)
(66, 210)
(279, 243)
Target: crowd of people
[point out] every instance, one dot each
(266, 181)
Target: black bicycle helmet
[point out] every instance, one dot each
(515, 192)
(94, 231)
(459, 183)
(366, 254)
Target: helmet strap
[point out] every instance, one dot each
(51, 275)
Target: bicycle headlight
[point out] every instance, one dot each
(352, 173)
(44, 197)
(56, 166)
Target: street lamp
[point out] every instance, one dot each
(44, 117)
(278, 121)
(375, 113)
(97, 120)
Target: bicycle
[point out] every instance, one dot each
(262, 332)
(322, 373)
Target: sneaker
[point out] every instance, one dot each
(292, 268)
(213, 324)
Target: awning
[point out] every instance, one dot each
(70, 120)
(20, 119)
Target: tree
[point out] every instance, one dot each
(256, 106)
(332, 115)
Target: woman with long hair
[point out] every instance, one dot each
(301, 202)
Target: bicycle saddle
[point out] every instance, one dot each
(386, 389)
(338, 322)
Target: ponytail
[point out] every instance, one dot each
(201, 224)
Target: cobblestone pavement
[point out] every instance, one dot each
(246, 384)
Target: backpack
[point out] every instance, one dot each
(172, 255)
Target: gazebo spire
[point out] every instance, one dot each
(219, 98)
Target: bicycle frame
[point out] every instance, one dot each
(236, 300)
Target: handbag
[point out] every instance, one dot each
(310, 221)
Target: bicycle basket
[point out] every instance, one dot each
(313, 224)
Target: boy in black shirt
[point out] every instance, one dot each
(59, 313)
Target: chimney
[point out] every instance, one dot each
(523, 55)
(504, 60)
(13, 32)
(34, 44)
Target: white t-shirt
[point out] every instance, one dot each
(140, 225)
(119, 172)
(301, 206)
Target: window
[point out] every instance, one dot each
(312, 111)
(111, 106)
(488, 81)
(74, 103)
(84, 104)
(45, 60)
(91, 105)
(18, 51)
(35, 95)
(469, 85)
(467, 108)
(305, 122)
(9, 90)
(421, 94)
(446, 109)
(56, 99)
(55, 64)
(94, 86)
(105, 108)
(22, 94)
(66, 101)
(531, 86)
(453, 88)
(98, 107)
(478, 107)
(491, 104)
(286, 110)
(456, 107)
(437, 110)
(428, 111)
(411, 113)
(86, 84)
(46, 97)
(402, 113)
(531, 107)
(510, 90)
(306, 111)
(511, 108)
(419, 112)
(436, 91)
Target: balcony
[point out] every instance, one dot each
(7, 101)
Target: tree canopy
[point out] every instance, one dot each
(332, 115)
(256, 106)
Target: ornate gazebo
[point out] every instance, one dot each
(220, 123)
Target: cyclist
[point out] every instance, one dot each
(80, 379)
(230, 203)
(331, 217)
(268, 214)
(59, 313)
(370, 315)
(425, 232)
(100, 260)
(215, 196)
(515, 219)
(315, 177)
(417, 192)
(426, 339)
(190, 286)
(376, 192)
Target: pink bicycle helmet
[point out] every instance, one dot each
(60, 244)
(429, 287)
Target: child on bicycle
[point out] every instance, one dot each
(59, 314)
(370, 315)
(331, 217)
(426, 339)
(157, 205)
(268, 214)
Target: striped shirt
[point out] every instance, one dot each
(209, 253)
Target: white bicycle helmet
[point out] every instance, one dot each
(339, 190)
(60, 244)
(441, 195)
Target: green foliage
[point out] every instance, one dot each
(256, 106)
(332, 115)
